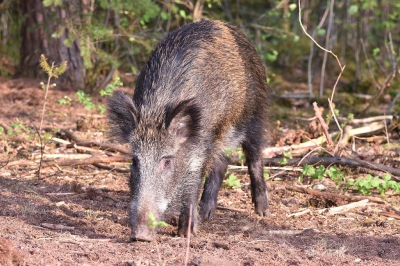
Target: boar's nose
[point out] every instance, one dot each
(142, 233)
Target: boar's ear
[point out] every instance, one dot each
(183, 121)
(121, 116)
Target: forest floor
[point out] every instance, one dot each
(78, 215)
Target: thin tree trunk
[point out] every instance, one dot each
(37, 29)
(328, 32)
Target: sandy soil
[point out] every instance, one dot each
(91, 204)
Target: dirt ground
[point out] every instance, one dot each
(87, 207)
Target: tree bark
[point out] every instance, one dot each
(37, 29)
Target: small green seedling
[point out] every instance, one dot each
(111, 87)
(65, 100)
(154, 223)
(266, 173)
(232, 182)
(85, 100)
(368, 184)
(286, 155)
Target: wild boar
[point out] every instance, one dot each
(202, 91)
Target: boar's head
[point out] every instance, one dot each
(161, 137)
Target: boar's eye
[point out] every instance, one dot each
(166, 163)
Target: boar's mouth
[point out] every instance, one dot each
(142, 233)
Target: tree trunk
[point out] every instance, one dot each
(37, 29)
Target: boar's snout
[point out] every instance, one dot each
(142, 233)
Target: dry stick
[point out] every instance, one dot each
(188, 235)
(331, 196)
(45, 96)
(41, 149)
(231, 209)
(325, 128)
(365, 120)
(337, 160)
(112, 168)
(91, 160)
(105, 146)
(343, 208)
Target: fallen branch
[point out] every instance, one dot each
(390, 214)
(113, 168)
(91, 160)
(365, 120)
(296, 149)
(57, 226)
(324, 126)
(350, 132)
(297, 214)
(331, 196)
(336, 160)
(105, 146)
(231, 209)
(343, 208)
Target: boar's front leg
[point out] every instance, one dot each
(252, 148)
(208, 203)
(190, 194)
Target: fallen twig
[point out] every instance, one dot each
(297, 214)
(390, 214)
(105, 146)
(325, 127)
(57, 226)
(350, 132)
(331, 196)
(296, 149)
(343, 208)
(113, 168)
(337, 160)
(231, 209)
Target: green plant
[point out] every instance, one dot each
(52, 72)
(18, 126)
(111, 87)
(266, 173)
(85, 100)
(154, 223)
(368, 184)
(332, 172)
(232, 182)
(335, 174)
(65, 100)
(286, 155)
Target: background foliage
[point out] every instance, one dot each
(118, 35)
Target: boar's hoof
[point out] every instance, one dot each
(263, 211)
(207, 211)
(182, 232)
(142, 233)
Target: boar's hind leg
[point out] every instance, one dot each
(208, 202)
(252, 149)
(190, 194)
